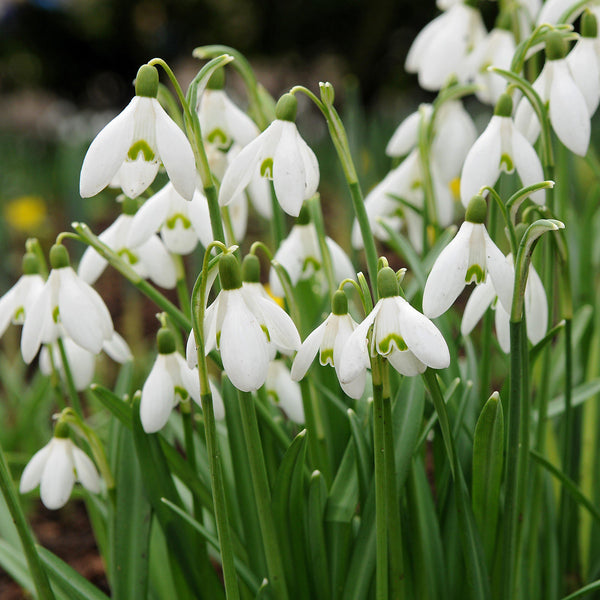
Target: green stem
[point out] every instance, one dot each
(314, 205)
(278, 219)
(262, 494)
(38, 573)
(381, 524)
(214, 210)
(73, 395)
(183, 293)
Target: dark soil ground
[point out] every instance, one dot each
(68, 534)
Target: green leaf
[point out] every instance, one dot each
(317, 550)
(581, 393)
(117, 406)
(364, 453)
(488, 460)
(343, 495)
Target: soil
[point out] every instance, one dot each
(68, 534)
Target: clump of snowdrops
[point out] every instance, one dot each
(450, 451)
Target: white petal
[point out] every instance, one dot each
(285, 391)
(107, 152)
(422, 337)
(288, 171)
(354, 388)
(32, 474)
(583, 64)
(447, 278)
(342, 266)
(502, 321)
(406, 135)
(116, 347)
(308, 351)
(58, 476)
(536, 307)
(482, 164)
(406, 363)
(82, 364)
(91, 266)
(568, 111)
(501, 272)
(158, 263)
(158, 397)
(527, 164)
(191, 354)
(290, 255)
(478, 302)
(86, 471)
(136, 175)
(199, 216)
(311, 167)
(36, 323)
(149, 218)
(175, 153)
(243, 345)
(83, 312)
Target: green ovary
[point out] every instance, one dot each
(143, 147)
(475, 273)
(387, 344)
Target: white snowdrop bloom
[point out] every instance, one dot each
(221, 121)
(552, 10)
(284, 391)
(407, 338)
(134, 144)
(440, 49)
(181, 222)
(536, 309)
(245, 327)
(67, 300)
(405, 182)
(568, 111)
(82, 363)
(496, 50)
(17, 302)
(329, 340)
(280, 154)
(584, 61)
(468, 257)
(453, 135)
(56, 468)
(150, 259)
(501, 147)
(300, 255)
(170, 381)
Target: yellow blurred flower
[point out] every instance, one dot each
(454, 186)
(25, 213)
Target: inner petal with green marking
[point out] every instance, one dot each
(172, 221)
(389, 342)
(475, 273)
(219, 138)
(181, 392)
(326, 356)
(128, 255)
(506, 163)
(141, 146)
(266, 168)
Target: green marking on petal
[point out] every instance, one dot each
(326, 357)
(506, 160)
(55, 314)
(172, 222)
(387, 344)
(218, 339)
(264, 328)
(475, 273)
(311, 261)
(266, 168)
(416, 184)
(143, 147)
(128, 255)
(181, 392)
(19, 314)
(218, 137)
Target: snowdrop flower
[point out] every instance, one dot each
(440, 49)
(501, 147)
(169, 382)
(408, 339)
(496, 50)
(134, 144)
(284, 391)
(150, 259)
(300, 255)
(568, 111)
(468, 257)
(584, 61)
(329, 340)
(70, 301)
(244, 327)
(16, 304)
(553, 10)
(56, 468)
(181, 222)
(536, 309)
(280, 154)
(221, 121)
(82, 363)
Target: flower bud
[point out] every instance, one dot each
(251, 269)
(555, 46)
(59, 257)
(504, 106)
(30, 264)
(129, 206)
(287, 107)
(304, 216)
(61, 430)
(477, 210)
(146, 82)
(589, 24)
(339, 303)
(165, 341)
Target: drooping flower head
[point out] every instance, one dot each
(56, 468)
(329, 340)
(135, 143)
(501, 147)
(69, 301)
(467, 258)
(279, 154)
(407, 338)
